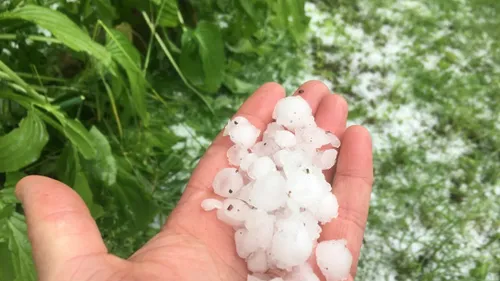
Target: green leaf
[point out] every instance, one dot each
(291, 14)
(20, 82)
(79, 137)
(70, 172)
(243, 46)
(22, 146)
(106, 9)
(135, 202)
(20, 249)
(104, 166)
(12, 178)
(248, 7)
(81, 186)
(190, 61)
(238, 86)
(167, 13)
(206, 39)
(127, 56)
(6, 267)
(62, 28)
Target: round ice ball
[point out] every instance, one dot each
(246, 244)
(314, 136)
(261, 167)
(227, 182)
(271, 130)
(257, 262)
(291, 245)
(307, 189)
(261, 225)
(334, 259)
(333, 139)
(265, 148)
(327, 209)
(235, 154)
(292, 112)
(233, 212)
(302, 272)
(325, 159)
(235, 122)
(285, 139)
(268, 192)
(244, 135)
(211, 204)
(247, 161)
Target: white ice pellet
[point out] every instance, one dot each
(306, 187)
(247, 161)
(325, 159)
(279, 157)
(257, 262)
(268, 192)
(302, 273)
(271, 130)
(236, 154)
(285, 139)
(235, 122)
(292, 112)
(211, 204)
(334, 259)
(261, 225)
(333, 139)
(291, 245)
(227, 182)
(265, 148)
(313, 136)
(261, 167)
(245, 243)
(233, 212)
(244, 136)
(327, 209)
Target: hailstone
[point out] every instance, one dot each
(228, 182)
(292, 112)
(333, 139)
(325, 159)
(233, 212)
(236, 154)
(211, 204)
(285, 139)
(266, 147)
(261, 167)
(334, 259)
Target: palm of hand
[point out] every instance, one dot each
(193, 245)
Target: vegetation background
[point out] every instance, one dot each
(119, 99)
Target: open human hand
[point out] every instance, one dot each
(193, 245)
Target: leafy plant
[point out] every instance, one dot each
(93, 93)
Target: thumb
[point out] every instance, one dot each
(60, 227)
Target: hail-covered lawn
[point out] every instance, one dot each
(424, 77)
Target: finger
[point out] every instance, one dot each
(313, 92)
(332, 116)
(352, 186)
(60, 226)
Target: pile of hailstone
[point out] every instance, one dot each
(275, 196)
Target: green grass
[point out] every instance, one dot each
(152, 82)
